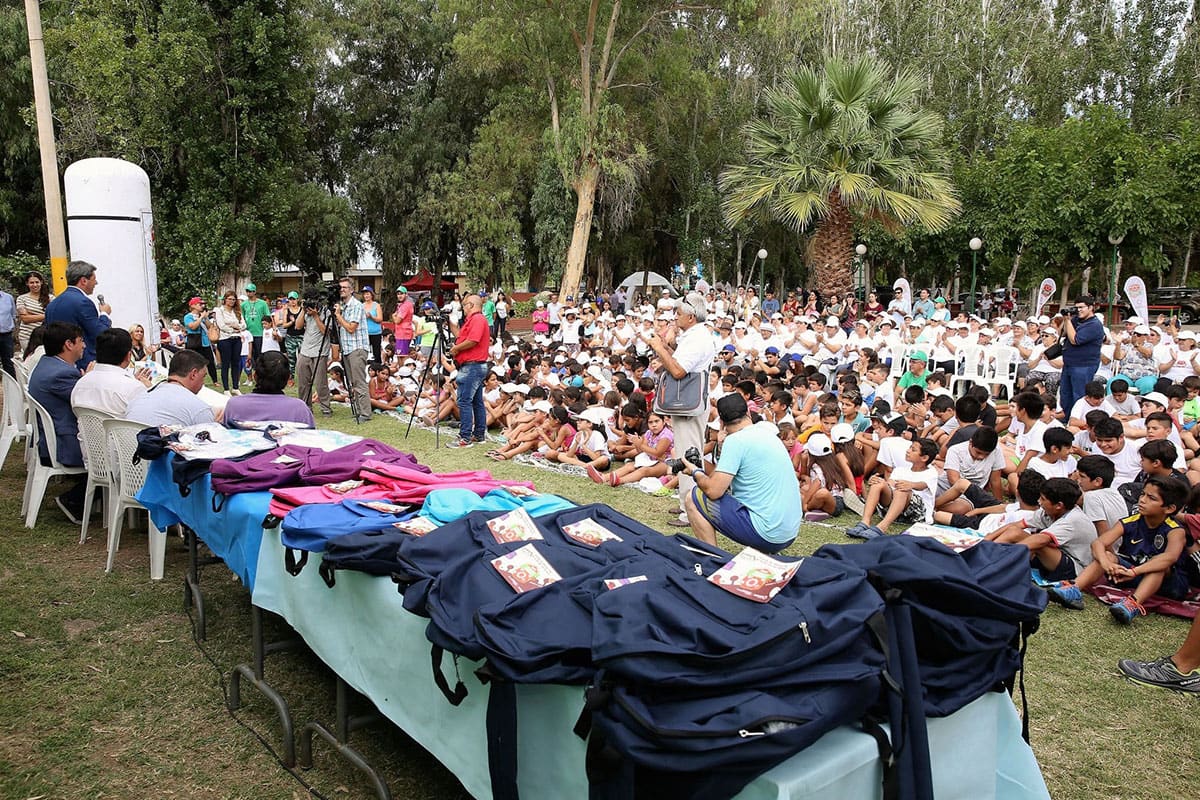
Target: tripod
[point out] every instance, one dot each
(439, 339)
(326, 317)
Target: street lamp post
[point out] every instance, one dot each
(1115, 240)
(861, 251)
(974, 244)
(762, 262)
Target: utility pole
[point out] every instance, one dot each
(45, 129)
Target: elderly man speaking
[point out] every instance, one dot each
(694, 351)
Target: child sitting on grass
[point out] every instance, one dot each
(1151, 542)
(987, 519)
(907, 492)
(1055, 460)
(651, 450)
(1059, 536)
(824, 480)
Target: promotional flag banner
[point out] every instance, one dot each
(1135, 290)
(1045, 292)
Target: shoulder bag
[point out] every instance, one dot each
(682, 397)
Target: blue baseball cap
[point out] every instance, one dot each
(772, 351)
(728, 349)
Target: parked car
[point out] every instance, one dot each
(1185, 298)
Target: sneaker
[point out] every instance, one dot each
(460, 443)
(1067, 595)
(1161, 673)
(595, 475)
(478, 439)
(855, 528)
(1127, 610)
(76, 517)
(854, 502)
(815, 516)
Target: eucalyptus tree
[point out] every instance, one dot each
(838, 143)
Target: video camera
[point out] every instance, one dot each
(326, 294)
(678, 465)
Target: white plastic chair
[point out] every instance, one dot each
(95, 448)
(970, 367)
(40, 474)
(13, 425)
(22, 373)
(1005, 362)
(128, 479)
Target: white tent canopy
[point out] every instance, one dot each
(652, 279)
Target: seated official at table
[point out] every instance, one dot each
(174, 401)
(268, 403)
(107, 386)
(51, 384)
(752, 496)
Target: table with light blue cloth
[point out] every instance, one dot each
(232, 533)
(360, 629)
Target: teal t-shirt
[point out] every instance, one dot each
(253, 312)
(763, 480)
(489, 311)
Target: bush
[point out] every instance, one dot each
(13, 268)
(522, 308)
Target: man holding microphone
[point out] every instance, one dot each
(694, 351)
(470, 354)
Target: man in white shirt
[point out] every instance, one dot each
(174, 401)
(107, 386)
(694, 352)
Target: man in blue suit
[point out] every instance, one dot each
(74, 306)
(51, 384)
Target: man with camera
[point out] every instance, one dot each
(355, 348)
(752, 496)
(1083, 333)
(312, 360)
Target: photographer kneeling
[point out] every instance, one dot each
(752, 496)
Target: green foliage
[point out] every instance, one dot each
(13, 268)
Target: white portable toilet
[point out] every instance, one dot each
(110, 224)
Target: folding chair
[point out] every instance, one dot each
(128, 479)
(13, 424)
(95, 448)
(970, 367)
(1005, 362)
(40, 474)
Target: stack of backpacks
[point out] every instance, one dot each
(693, 690)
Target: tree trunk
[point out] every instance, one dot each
(833, 250)
(585, 191)
(1016, 265)
(1187, 259)
(237, 277)
(737, 265)
(1087, 279)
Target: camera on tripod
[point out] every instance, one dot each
(323, 295)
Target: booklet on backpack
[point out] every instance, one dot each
(385, 508)
(617, 583)
(517, 490)
(754, 575)
(515, 526)
(957, 539)
(589, 532)
(417, 526)
(525, 568)
(343, 486)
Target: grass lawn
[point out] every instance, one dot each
(105, 694)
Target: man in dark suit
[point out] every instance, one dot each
(51, 384)
(74, 306)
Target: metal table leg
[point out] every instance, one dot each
(254, 673)
(340, 739)
(192, 594)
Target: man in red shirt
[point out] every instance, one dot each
(470, 354)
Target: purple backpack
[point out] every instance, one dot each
(292, 465)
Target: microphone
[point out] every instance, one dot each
(100, 299)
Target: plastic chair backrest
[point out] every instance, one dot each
(14, 402)
(95, 442)
(47, 431)
(122, 440)
(22, 372)
(969, 361)
(1006, 361)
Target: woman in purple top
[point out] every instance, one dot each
(268, 403)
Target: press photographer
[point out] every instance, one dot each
(312, 361)
(752, 496)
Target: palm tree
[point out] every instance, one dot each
(838, 144)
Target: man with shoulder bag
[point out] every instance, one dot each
(682, 393)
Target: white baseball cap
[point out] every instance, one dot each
(819, 445)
